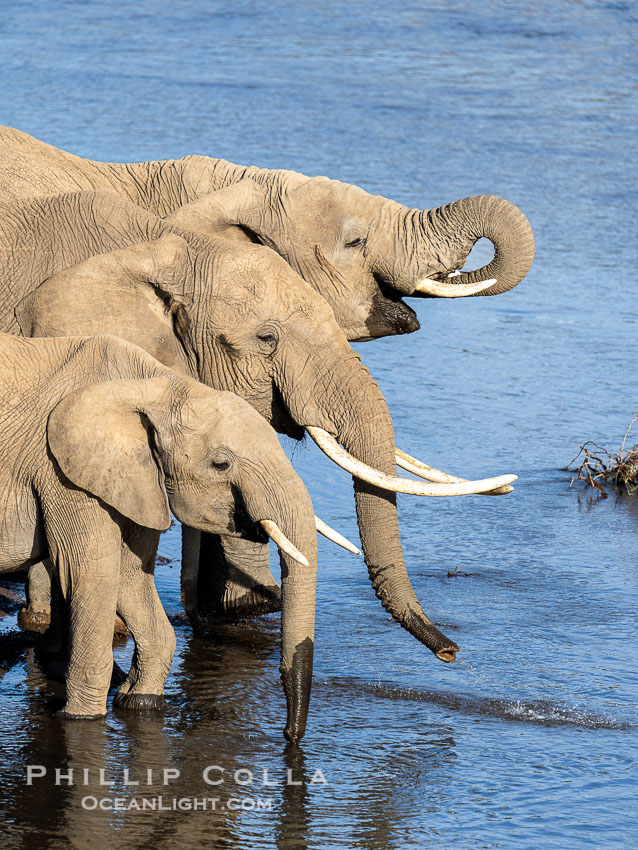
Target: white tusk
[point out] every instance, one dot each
(361, 470)
(277, 536)
(337, 538)
(452, 290)
(417, 467)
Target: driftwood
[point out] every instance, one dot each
(599, 468)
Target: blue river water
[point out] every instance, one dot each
(528, 740)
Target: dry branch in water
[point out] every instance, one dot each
(619, 469)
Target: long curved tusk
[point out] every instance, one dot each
(277, 536)
(331, 534)
(452, 290)
(361, 470)
(417, 467)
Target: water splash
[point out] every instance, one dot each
(541, 712)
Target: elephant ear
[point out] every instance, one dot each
(99, 295)
(104, 437)
(165, 264)
(234, 212)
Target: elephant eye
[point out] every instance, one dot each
(355, 243)
(268, 339)
(220, 464)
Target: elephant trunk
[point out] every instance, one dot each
(286, 502)
(362, 424)
(497, 220)
(438, 242)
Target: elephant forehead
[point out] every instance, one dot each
(245, 258)
(330, 195)
(224, 418)
(264, 298)
(253, 270)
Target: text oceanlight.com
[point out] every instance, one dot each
(177, 804)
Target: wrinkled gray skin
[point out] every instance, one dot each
(361, 252)
(98, 440)
(234, 315)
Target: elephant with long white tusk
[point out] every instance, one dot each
(417, 467)
(363, 253)
(238, 318)
(439, 289)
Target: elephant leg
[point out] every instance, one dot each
(226, 578)
(56, 649)
(140, 607)
(37, 615)
(85, 546)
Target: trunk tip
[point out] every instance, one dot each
(447, 653)
(424, 630)
(297, 682)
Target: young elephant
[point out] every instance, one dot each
(97, 441)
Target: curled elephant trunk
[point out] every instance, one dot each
(505, 226)
(438, 242)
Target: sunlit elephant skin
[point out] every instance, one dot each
(362, 253)
(98, 441)
(234, 315)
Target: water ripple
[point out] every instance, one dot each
(541, 712)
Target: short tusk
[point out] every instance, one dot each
(277, 536)
(452, 290)
(361, 470)
(337, 538)
(417, 467)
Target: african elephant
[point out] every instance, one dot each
(361, 252)
(97, 441)
(237, 317)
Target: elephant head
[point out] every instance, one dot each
(363, 253)
(251, 326)
(144, 446)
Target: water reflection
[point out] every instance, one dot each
(526, 744)
(199, 781)
(292, 829)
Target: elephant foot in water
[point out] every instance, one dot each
(34, 620)
(139, 702)
(226, 579)
(36, 617)
(243, 598)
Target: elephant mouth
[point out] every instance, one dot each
(241, 524)
(280, 417)
(389, 315)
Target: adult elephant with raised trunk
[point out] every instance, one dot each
(237, 317)
(362, 253)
